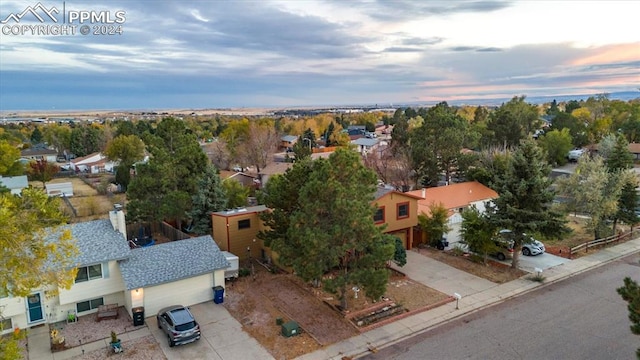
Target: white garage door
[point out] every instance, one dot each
(185, 292)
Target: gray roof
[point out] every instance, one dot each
(247, 210)
(365, 141)
(14, 182)
(381, 191)
(289, 138)
(176, 260)
(98, 242)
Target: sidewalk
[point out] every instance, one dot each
(476, 295)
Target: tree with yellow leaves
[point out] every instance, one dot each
(36, 253)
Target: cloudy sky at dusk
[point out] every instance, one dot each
(213, 54)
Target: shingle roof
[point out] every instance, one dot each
(176, 260)
(453, 196)
(98, 242)
(365, 141)
(247, 210)
(289, 138)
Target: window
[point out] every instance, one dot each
(403, 210)
(89, 305)
(379, 215)
(244, 224)
(6, 325)
(87, 273)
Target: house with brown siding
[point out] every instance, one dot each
(399, 212)
(236, 231)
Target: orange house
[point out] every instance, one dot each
(455, 198)
(399, 212)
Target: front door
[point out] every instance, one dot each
(34, 305)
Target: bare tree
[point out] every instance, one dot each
(393, 169)
(260, 145)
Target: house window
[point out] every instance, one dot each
(378, 217)
(87, 273)
(6, 325)
(244, 224)
(89, 304)
(403, 210)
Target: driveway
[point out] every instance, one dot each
(222, 337)
(542, 261)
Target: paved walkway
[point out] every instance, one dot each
(476, 294)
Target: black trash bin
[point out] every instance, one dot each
(218, 294)
(138, 316)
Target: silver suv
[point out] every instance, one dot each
(179, 325)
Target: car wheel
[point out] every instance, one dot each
(171, 343)
(501, 256)
(440, 247)
(526, 252)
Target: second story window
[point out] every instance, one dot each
(403, 210)
(378, 217)
(90, 272)
(244, 224)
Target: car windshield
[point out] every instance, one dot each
(186, 326)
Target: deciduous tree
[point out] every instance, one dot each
(556, 144)
(435, 223)
(477, 232)
(42, 170)
(9, 156)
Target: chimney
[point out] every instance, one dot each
(117, 220)
(424, 193)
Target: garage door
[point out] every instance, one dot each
(402, 235)
(185, 292)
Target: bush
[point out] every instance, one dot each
(242, 272)
(457, 250)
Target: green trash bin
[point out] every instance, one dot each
(218, 294)
(290, 328)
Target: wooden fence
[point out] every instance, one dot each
(147, 229)
(603, 242)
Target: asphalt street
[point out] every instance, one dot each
(582, 317)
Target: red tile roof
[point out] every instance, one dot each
(453, 196)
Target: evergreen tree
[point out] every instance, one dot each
(36, 136)
(621, 161)
(400, 255)
(162, 188)
(630, 293)
(210, 198)
(525, 200)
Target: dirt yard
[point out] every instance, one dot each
(86, 200)
(493, 271)
(257, 301)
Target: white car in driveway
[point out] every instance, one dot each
(575, 154)
(530, 248)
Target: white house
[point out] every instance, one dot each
(93, 163)
(109, 272)
(365, 145)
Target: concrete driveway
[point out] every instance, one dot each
(222, 337)
(542, 261)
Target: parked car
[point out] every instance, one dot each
(575, 154)
(530, 248)
(504, 245)
(179, 325)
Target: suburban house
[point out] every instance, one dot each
(455, 198)
(93, 163)
(398, 211)
(39, 152)
(15, 184)
(287, 141)
(110, 272)
(365, 145)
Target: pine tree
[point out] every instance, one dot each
(210, 198)
(525, 200)
(630, 293)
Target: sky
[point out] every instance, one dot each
(264, 53)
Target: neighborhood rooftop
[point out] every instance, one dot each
(98, 242)
(163, 263)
